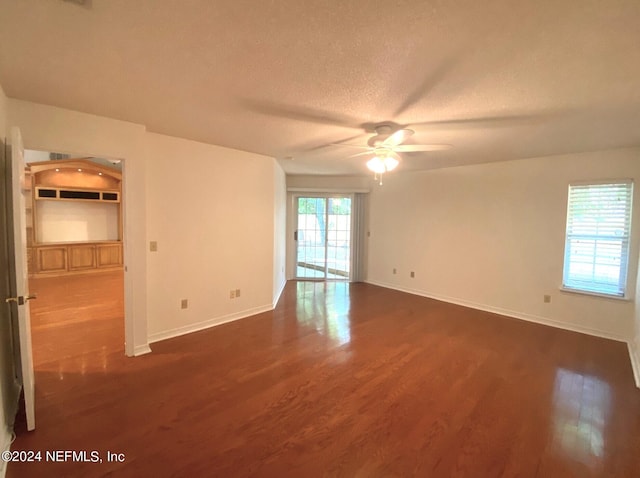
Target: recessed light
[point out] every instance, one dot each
(57, 170)
(80, 170)
(99, 174)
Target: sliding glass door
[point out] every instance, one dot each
(323, 237)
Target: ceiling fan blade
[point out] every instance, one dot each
(395, 155)
(308, 149)
(349, 145)
(409, 148)
(398, 137)
(364, 153)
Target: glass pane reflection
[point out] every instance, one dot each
(325, 306)
(581, 408)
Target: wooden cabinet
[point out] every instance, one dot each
(58, 259)
(88, 194)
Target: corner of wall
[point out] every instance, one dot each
(279, 231)
(634, 355)
(279, 291)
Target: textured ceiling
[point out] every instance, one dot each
(495, 79)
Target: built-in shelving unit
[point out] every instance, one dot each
(74, 217)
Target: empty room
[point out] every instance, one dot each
(341, 238)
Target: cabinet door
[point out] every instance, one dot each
(52, 259)
(109, 255)
(82, 257)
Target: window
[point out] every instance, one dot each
(597, 243)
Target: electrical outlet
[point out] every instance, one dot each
(237, 292)
(394, 270)
(232, 294)
(547, 298)
(413, 274)
(184, 303)
(153, 246)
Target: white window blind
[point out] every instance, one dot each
(597, 242)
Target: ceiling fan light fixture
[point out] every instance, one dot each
(377, 165)
(390, 163)
(382, 163)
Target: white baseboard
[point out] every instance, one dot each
(634, 354)
(280, 290)
(508, 313)
(141, 350)
(187, 329)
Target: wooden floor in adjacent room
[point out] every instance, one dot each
(339, 380)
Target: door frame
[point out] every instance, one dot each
(129, 347)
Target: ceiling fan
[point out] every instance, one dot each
(385, 146)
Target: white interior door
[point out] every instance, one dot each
(21, 297)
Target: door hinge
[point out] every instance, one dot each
(295, 236)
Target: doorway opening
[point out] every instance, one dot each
(75, 251)
(323, 237)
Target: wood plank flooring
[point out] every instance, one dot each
(339, 380)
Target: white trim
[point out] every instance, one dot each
(571, 290)
(508, 313)
(588, 182)
(279, 293)
(141, 350)
(187, 329)
(634, 355)
(130, 349)
(329, 190)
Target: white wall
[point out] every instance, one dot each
(492, 236)
(211, 211)
(331, 183)
(32, 156)
(279, 232)
(55, 129)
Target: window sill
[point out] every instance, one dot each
(594, 294)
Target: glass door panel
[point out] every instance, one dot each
(311, 237)
(323, 237)
(338, 237)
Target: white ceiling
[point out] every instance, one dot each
(497, 79)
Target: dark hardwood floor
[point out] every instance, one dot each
(339, 380)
